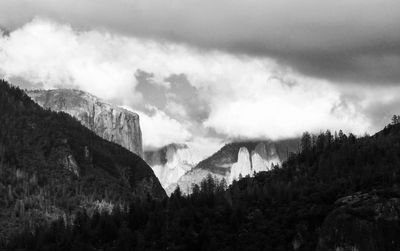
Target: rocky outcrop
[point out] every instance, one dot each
(242, 167)
(69, 163)
(110, 122)
(363, 221)
(170, 163)
(234, 161)
(263, 160)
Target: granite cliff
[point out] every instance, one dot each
(262, 158)
(236, 160)
(110, 122)
(170, 162)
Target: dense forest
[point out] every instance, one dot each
(286, 208)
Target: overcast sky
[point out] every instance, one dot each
(210, 70)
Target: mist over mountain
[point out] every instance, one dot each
(199, 125)
(184, 93)
(170, 162)
(236, 160)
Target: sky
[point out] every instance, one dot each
(206, 72)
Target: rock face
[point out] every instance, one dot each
(242, 167)
(263, 160)
(234, 160)
(363, 221)
(170, 162)
(110, 122)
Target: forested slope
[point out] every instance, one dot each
(52, 166)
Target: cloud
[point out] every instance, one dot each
(335, 40)
(276, 110)
(159, 129)
(45, 54)
(183, 92)
(51, 55)
(203, 147)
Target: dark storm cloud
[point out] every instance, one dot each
(381, 113)
(153, 93)
(345, 41)
(184, 93)
(180, 94)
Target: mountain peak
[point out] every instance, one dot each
(108, 121)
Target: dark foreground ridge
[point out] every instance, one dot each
(338, 193)
(51, 166)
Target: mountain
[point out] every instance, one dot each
(110, 122)
(51, 166)
(237, 159)
(170, 162)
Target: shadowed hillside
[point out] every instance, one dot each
(51, 166)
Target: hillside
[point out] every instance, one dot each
(51, 165)
(339, 193)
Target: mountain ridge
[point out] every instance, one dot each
(219, 165)
(108, 121)
(52, 166)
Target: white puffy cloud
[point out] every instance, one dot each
(247, 97)
(51, 55)
(277, 109)
(159, 129)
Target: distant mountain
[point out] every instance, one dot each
(237, 159)
(51, 166)
(110, 122)
(170, 162)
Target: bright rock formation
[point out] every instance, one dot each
(263, 160)
(232, 162)
(242, 167)
(170, 163)
(110, 122)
